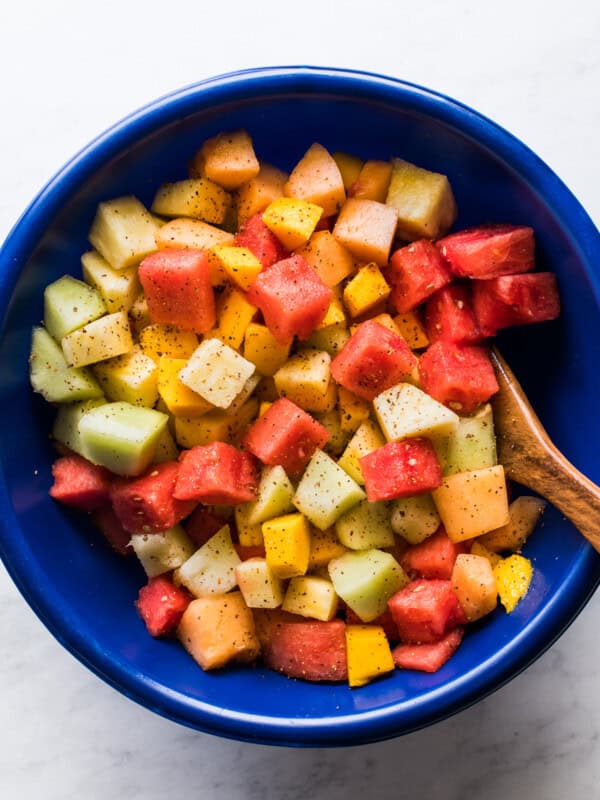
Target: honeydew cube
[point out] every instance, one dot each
(330, 339)
(215, 426)
(368, 654)
(256, 194)
(329, 259)
(66, 423)
(162, 552)
(166, 340)
(239, 264)
(107, 337)
(367, 438)
(366, 228)
(305, 379)
(216, 372)
(292, 221)
(132, 377)
(263, 350)
(324, 545)
(404, 411)
(249, 533)
(118, 288)
(366, 580)
(274, 496)
(287, 544)
(412, 330)
(70, 304)
(180, 400)
(121, 437)
(415, 518)
(198, 198)
(365, 526)
(317, 178)
(472, 503)
(353, 410)
(234, 314)
(473, 443)
(325, 491)
(349, 167)
(366, 290)
(310, 596)
(166, 449)
(51, 376)
(211, 569)
(123, 232)
(423, 201)
(259, 585)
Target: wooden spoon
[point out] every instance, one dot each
(530, 458)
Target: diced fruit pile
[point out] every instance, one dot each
(273, 390)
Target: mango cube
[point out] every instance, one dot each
(412, 330)
(249, 533)
(366, 228)
(292, 221)
(353, 410)
(305, 379)
(239, 264)
(179, 398)
(366, 290)
(263, 350)
(256, 194)
(106, 337)
(373, 181)
(368, 652)
(123, 232)
(198, 198)
(310, 596)
(216, 372)
(324, 545)
(405, 411)
(349, 167)
(329, 259)
(325, 491)
(234, 314)
(259, 585)
(132, 377)
(287, 544)
(167, 340)
(215, 426)
(513, 578)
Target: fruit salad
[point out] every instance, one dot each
(272, 391)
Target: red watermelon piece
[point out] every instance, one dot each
(79, 483)
(401, 469)
(489, 251)
(425, 611)
(515, 300)
(202, 524)
(311, 650)
(216, 474)
(427, 657)
(261, 241)
(292, 298)
(415, 272)
(433, 558)
(178, 290)
(459, 376)
(449, 316)
(285, 435)
(115, 534)
(147, 504)
(161, 605)
(373, 359)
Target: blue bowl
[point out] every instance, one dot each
(84, 594)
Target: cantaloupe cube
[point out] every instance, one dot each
(234, 314)
(218, 630)
(305, 379)
(193, 234)
(472, 503)
(211, 569)
(366, 228)
(412, 330)
(368, 653)
(263, 350)
(256, 194)
(329, 259)
(287, 544)
(366, 289)
(415, 518)
(524, 514)
(180, 400)
(132, 377)
(292, 221)
(326, 491)
(215, 426)
(324, 545)
(239, 264)
(474, 584)
(373, 181)
(423, 200)
(513, 577)
(162, 552)
(107, 337)
(118, 288)
(317, 178)
(353, 410)
(259, 585)
(367, 438)
(349, 167)
(405, 411)
(216, 372)
(227, 159)
(310, 596)
(123, 232)
(166, 340)
(198, 198)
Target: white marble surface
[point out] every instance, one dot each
(68, 70)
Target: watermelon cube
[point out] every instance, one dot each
(285, 435)
(261, 242)
(415, 272)
(110, 527)
(489, 251)
(161, 605)
(425, 611)
(202, 524)
(313, 651)
(79, 483)
(217, 474)
(459, 376)
(427, 657)
(434, 557)
(449, 316)
(178, 290)
(373, 359)
(515, 300)
(147, 504)
(292, 298)
(401, 469)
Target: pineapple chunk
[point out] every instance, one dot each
(473, 443)
(256, 194)
(306, 380)
(365, 526)
(263, 350)
(259, 585)
(367, 438)
(227, 159)
(166, 340)
(178, 398)
(215, 426)
(312, 597)
(239, 264)
(349, 167)
(234, 314)
(132, 377)
(317, 179)
(70, 304)
(53, 378)
(216, 372)
(513, 578)
(287, 544)
(368, 652)
(211, 569)
(366, 580)
(107, 337)
(198, 198)
(415, 518)
(292, 221)
(412, 330)
(405, 411)
(524, 513)
(366, 228)
(162, 552)
(123, 232)
(329, 259)
(373, 181)
(118, 288)
(366, 289)
(325, 491)
(423, 200)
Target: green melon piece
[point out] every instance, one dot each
(365, 526)
(325, 491)
(473, 445)
(66, 423)
(121, 437)
(70, 304)
(52, 378)
(366, 580)
(275, 493)
(415, 518)
(162, 552)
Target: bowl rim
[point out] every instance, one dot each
(365, 726)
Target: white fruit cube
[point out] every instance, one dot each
(404, 411)
(123, 232)
(310, 596)
(118, 288)
(162, 552)
(216, 372)
(325, 491)
(211, 570)
(259, 585)
(107, 337)
(365, 526)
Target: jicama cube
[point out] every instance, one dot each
(211, 569)
(216, 372)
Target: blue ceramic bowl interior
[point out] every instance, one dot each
(84, 593)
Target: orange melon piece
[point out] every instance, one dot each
(219, 629)
(366, 228)
(474, 584)
(349, 167)
(255, 195)
(317, 179)
(373, 181)
(227, 159)
(329, 259)
(524, 513)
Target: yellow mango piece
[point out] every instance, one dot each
(387, 322)
(513, 578)
(215, 426)
(366, 228)
(474, 584)
(234, 314)
(373, 181)
(179, 399)
(366, 289)
(292, 221)
(324, 545)
(412, 330)
(525, 513)
(305, 379)
(472, 503)
(239, 264)
(167, 340)
(193, 234)
(263, 350)
(368, 652)
(198, 198)
(353, 410)
(287, 544)
(249, 533)
(329, 259)
(131, 378)
(335, 315)
(349, 167)
(227, 159)
(478, 549)
(264, 407)
(317, 179)
(422, 199)
(256, 194)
